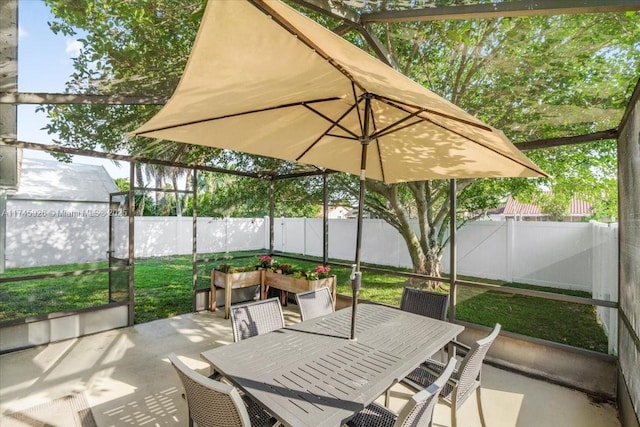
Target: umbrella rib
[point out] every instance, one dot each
(392, 127)
(357, 101)
(244, 113)
(396, 129)
(375, 136)
(340, 136)
(398, 104)
(333, 124)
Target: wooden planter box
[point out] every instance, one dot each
(230, 281)
(287, 283)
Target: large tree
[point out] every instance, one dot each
(535, 78)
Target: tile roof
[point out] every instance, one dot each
(513, 207)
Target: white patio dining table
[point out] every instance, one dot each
(312, 374)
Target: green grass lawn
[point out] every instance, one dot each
(163, 289)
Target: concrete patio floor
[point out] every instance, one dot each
(126, 379)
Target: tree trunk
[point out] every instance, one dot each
(140, 180)
(429, 264)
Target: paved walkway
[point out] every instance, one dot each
(126, 379)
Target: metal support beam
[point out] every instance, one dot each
(325, 220)
(14, 97)
(272, 214)
(334, 9)
(568, 140)
(8, 113)
(194, 242)
(11, 142)
(453, 255)
(377, 46)
(3, 228)
(131, 243)
(502, 9)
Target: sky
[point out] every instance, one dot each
(44, 65)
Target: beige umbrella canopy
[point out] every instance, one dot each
(265, 80)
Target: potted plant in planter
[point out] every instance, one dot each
(287, 279)
(265, 262)
(228, 278)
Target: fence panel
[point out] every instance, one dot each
(314, 237)
(245, 234)
(604, 276)
(292, 237)
(212, 235)
(342, 238)
(482, 250)
(553, 254)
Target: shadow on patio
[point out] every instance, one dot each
(125, 378)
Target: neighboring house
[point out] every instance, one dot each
(335, 212)
(59, 214)
(579, 210)
(353, 214)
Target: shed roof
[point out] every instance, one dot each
(53, 180)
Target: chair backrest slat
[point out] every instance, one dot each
(315, 303)
(471, 365)
(418, 411)
(425, 303)
(211, 403)
(256, 318)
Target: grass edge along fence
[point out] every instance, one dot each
(163, 289)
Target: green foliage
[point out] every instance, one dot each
(122, 184)
(222, 195)
(533, 77)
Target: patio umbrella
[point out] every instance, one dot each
(263, 79)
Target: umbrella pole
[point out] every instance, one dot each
(356, 274)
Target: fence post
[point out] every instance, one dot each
(283, 226)
(226, 234)
(268, 232)
(304, 236)
(510, 237)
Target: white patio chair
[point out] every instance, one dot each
(464, 381)
(215, 404)
(425, 303)
(256, 318)
(315, 303)
(418, 411)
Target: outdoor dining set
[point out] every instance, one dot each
(312, 373)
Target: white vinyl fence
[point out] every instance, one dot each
(577, 256)
(580, 256)
(163, 236)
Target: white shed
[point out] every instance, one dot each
(59, 214)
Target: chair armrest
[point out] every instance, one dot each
(459, 347)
